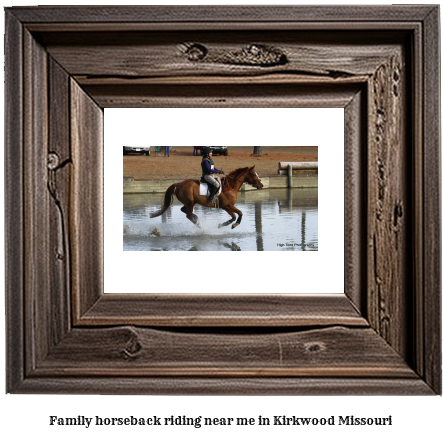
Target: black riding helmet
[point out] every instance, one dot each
(207, 150)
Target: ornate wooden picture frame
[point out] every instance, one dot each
(64, 65)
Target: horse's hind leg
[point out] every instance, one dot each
(188, 210)
(183, 209)
(229, 211)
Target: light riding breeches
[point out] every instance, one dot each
(212, 180)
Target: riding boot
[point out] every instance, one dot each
(212, 191)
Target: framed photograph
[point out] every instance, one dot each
(378, 332)
(283, 222)
(279, 212)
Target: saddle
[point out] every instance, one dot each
(203, 189)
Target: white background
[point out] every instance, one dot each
(28, 414)
(126, 271)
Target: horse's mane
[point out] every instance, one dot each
(237, 172)
(234, 174)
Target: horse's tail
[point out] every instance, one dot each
(169, 197)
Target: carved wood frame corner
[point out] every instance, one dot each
(64, 335)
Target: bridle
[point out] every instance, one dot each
(255, 177)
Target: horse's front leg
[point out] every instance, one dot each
(229, 211)
(240, 215)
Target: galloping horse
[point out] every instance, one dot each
(187, 193)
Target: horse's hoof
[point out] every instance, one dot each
(235, 225)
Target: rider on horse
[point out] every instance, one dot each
(209, 169)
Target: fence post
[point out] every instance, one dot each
(290, 176)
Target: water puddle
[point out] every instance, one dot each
(273, 220)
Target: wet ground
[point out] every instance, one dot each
(273, 220)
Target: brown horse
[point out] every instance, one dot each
(187, 193)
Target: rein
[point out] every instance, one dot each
(250, 173)
(228, 176)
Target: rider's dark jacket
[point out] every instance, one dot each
(206, 167)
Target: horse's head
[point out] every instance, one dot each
(253, 178)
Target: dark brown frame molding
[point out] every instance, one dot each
(64, 65)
